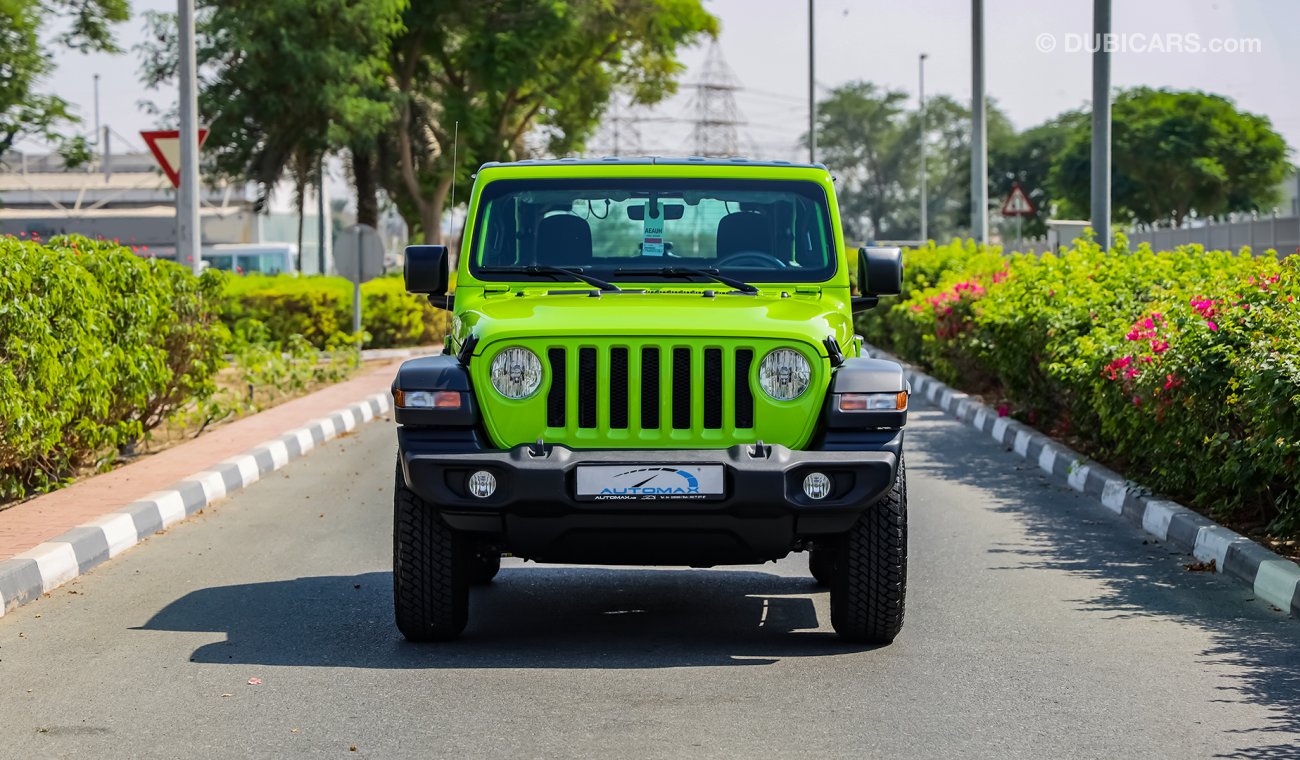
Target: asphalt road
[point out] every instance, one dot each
(1038, 626)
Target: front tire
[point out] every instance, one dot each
(430, 570)
(869, 582)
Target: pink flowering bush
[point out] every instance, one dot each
(1182, 368)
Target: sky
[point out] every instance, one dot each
(765, 44)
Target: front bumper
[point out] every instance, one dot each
(535, 512)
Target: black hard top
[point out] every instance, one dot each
(652, 161)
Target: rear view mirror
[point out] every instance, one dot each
(669, 211)
(426, 269)
(880, 271)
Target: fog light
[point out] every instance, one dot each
(817, 486)
(482, 484)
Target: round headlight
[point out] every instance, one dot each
(784, 374)
(516, 372)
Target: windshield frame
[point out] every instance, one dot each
(808, 188)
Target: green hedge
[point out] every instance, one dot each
(97, 347)
(1180, 367)
(275, 307)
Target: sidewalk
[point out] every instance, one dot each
(53, 538)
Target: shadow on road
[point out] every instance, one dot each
(1139, 578)
(530, 617)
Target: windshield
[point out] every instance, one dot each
(755, 231)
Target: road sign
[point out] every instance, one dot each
(359, 256)
(1017, 202)
(165, 144)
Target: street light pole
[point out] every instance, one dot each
(924, 211)
(188, 234)
(979, 161)
(1101, 124)
(812, 93)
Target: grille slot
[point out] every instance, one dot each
(713, 388)
(650, 388)
(681, 388)
(588, 386)
(618, 388)
(744, 395)
(556, 397)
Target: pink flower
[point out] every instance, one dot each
(1213, 327)
(1172, 382)
(1003, 410)
(1159, 346)
(1132, 372)
(1137, 401)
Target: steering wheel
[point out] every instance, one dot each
(766, 258)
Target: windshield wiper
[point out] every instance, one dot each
(678, 271)
(574, 273)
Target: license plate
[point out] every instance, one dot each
(650, 482)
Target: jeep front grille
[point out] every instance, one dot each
(683, 388)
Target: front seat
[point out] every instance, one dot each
(744, 231)
(564, 240)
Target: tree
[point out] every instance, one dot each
(25, 60)
(863, 133)
(1028, 158)
(285, 83)
(872, 143)
(507, 70)
(1174, 155)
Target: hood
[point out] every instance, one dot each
(806, 317)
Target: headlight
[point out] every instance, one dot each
(516, 372)
(784, 374)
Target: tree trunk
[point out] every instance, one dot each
(302, 189)
(431, 214)
(363, 180)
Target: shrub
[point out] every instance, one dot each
(319, 309)
(1183, 366)
(97, 347)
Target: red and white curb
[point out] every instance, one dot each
(1270, 576)
(47, 566)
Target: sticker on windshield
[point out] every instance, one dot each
(652, 239)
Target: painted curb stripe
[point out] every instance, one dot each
(51, 564)
(1272, 577)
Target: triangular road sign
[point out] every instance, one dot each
(165, 144)
(1017, 203)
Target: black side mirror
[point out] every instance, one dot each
(880, 273)
(427, 269)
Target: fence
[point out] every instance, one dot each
(1281, 233)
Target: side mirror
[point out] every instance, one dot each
(426, 269)
(880, 271)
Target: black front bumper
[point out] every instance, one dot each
(535, 513)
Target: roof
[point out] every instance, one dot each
(655, 161)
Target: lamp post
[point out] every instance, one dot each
(924, 192)
(1101, 124)
(188, 235)
(979, 160)
(812, 94)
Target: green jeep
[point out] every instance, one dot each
(653, 362)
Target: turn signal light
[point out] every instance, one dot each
(427, 399)
(873, 402)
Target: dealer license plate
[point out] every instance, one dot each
(641, 482)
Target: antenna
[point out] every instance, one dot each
(455, 166)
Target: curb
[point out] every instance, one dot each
(39, 570)
(1270, 576)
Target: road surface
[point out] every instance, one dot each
(1038, 625)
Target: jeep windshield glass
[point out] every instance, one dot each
(750, 231)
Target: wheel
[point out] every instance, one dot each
(869, 581)
(483, 567)
(821, 561)
(759, 256)
(431, 570)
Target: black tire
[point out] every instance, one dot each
(483, 567)
(431, 566)
(869, 586)
(821, 562)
